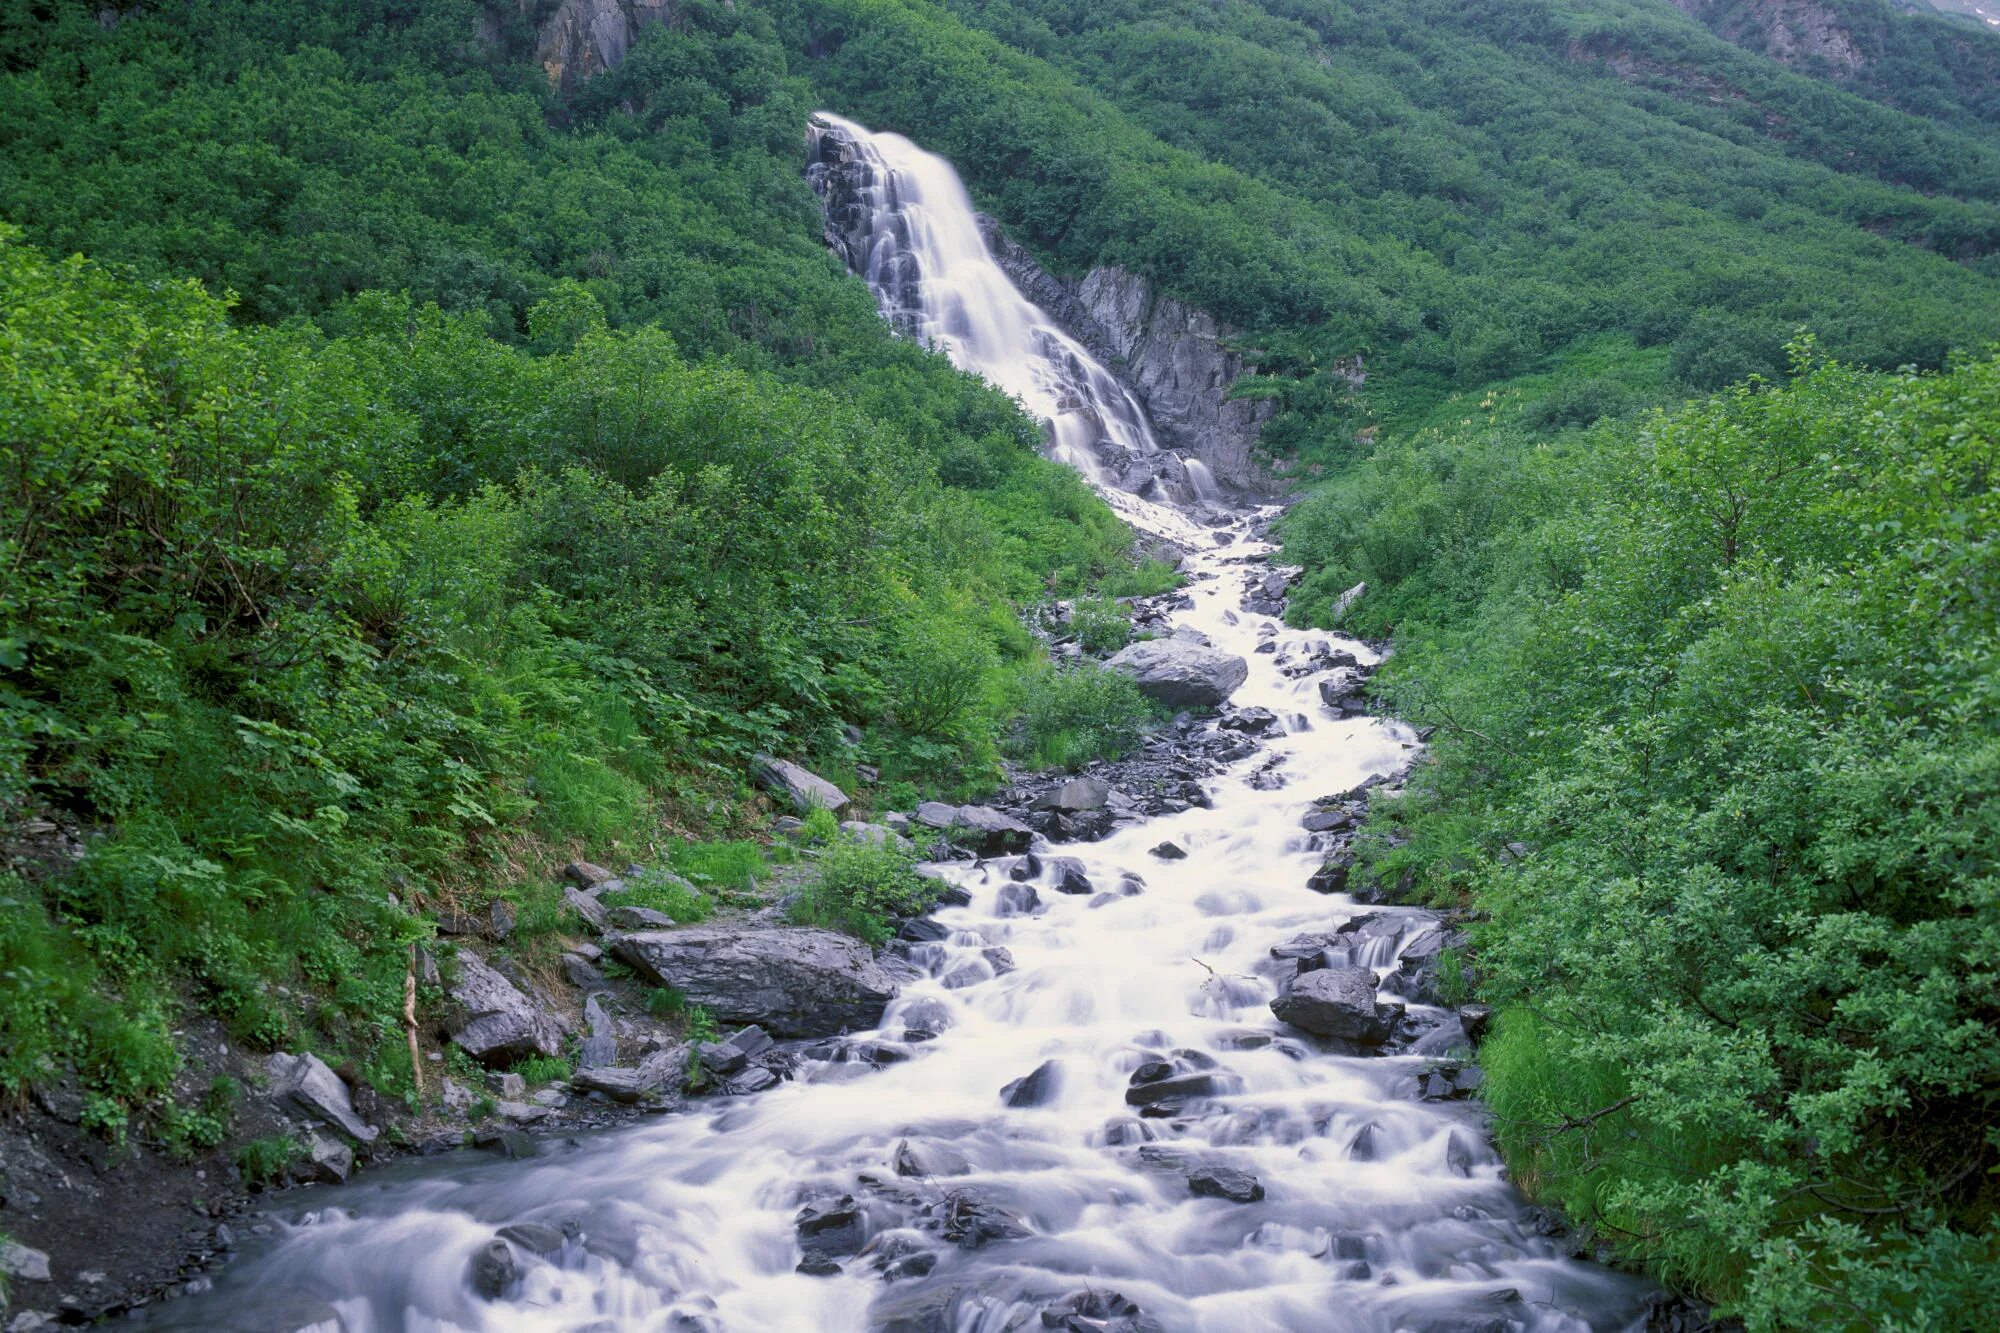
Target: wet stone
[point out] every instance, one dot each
(1170, 851)
(1035, 1089)
(1224, 1182)
(534, 1237)
(492, 1269)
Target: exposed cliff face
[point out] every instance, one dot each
(1803, 34)
(576, 40)
(1171, 355)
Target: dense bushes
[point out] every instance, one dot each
(287, 632)
(1732, 674)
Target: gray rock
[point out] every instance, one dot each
(628, 917)
(328, 1160)
(805, 790)
(1224, 1182)
(1079, 793)
(507, 1084)
(936, 814)
(989, 832)
(1345, 602)
(620, 1083)
(580, 972)
(1338, 1002)
(1181, 674)
(22, 1264)
(585, 875)
(879, 834)
(587, 907)
(795, 981)
(499, 1024)
(493, 1269)
(1017, 900)
(306, 1081)
(730, 1055)
(600, 1041)
(1035, 1089)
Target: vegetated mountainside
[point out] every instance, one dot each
(1461, 194)
(1907, 56)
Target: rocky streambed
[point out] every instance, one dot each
(1147, 1066)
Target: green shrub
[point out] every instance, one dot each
(1075, 714)
(265, 1161)
(1102, 626)
(544, 1069)
(858, 884)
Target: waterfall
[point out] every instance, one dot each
(906, 224)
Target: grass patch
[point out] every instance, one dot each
(663, 891)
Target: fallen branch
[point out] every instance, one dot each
(410, 1020)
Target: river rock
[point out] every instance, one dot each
(1078, 794)
(1181, 674)
(990, 833)
(1035, 1089)
(1338, 1002)
(1225, 1182)
(492, 1269)
(500, 1025)
(807, 791)
(795, 981)
(328, 1160)
(307, 1082)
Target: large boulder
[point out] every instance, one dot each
(807, 791)
(1338, 1002)
(990, 833)
(794, 981)
(1181, 674)
(498, 1024)
(308, 1083)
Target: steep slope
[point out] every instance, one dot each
(1908, 56)
(1459, 196)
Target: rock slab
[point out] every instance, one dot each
(499, 1024)
(794, 981)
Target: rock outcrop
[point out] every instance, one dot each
(1803, 34)
(580, 39)
(794, 981)
(1174, 357)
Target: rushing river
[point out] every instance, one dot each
(1379, 1211)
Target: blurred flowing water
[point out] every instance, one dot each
(1379, 1211)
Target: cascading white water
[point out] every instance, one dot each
(1379, 1211)
(918, 243)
